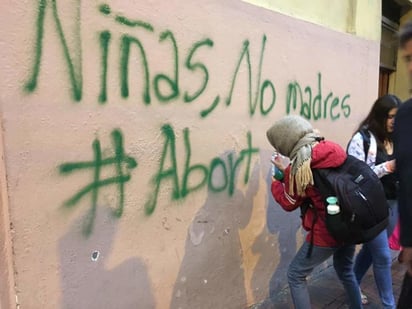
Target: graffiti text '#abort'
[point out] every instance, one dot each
(217, 176)
(166, 87)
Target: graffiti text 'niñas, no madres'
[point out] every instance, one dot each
(167, 87)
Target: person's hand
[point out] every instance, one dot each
(390, 166)
(278, 163)
(405, 257)
(281, 162)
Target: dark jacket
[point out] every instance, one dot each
(325, 154)
(403, 156)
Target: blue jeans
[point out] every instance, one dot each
(301, 266)
(377, 252)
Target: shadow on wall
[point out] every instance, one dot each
(281, 229)
(87, 284)
(211, 274)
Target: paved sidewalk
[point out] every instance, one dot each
(327, 292)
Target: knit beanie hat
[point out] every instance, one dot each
(293, 136)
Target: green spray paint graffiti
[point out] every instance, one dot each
(312, 107)
(75, 71)
(172, 83)
(181, 188)
(96, 166)
(124, 67)
(260, 90)
(197, 65)
(260, 93)
(167, 88)
(105, 37)
(106, 10)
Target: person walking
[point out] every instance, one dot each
(293, 137)
(372, 143)
(403, 156)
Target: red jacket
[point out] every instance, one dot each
(325, 154)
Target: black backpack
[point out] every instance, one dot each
(361, 197)
(366, 137)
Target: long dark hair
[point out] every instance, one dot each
(377, 117)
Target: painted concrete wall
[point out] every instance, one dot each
(135, 153)
(358, 17)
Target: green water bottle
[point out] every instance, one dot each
(276, 172)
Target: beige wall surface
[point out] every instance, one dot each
(135, 152)
(359, 17)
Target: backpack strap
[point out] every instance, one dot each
(307, 203)
(366, 136)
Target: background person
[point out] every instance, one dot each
(373, 144)
(293, 137)
(403, 155)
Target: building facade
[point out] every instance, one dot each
(135, 168)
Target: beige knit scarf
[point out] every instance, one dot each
(301, 158)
